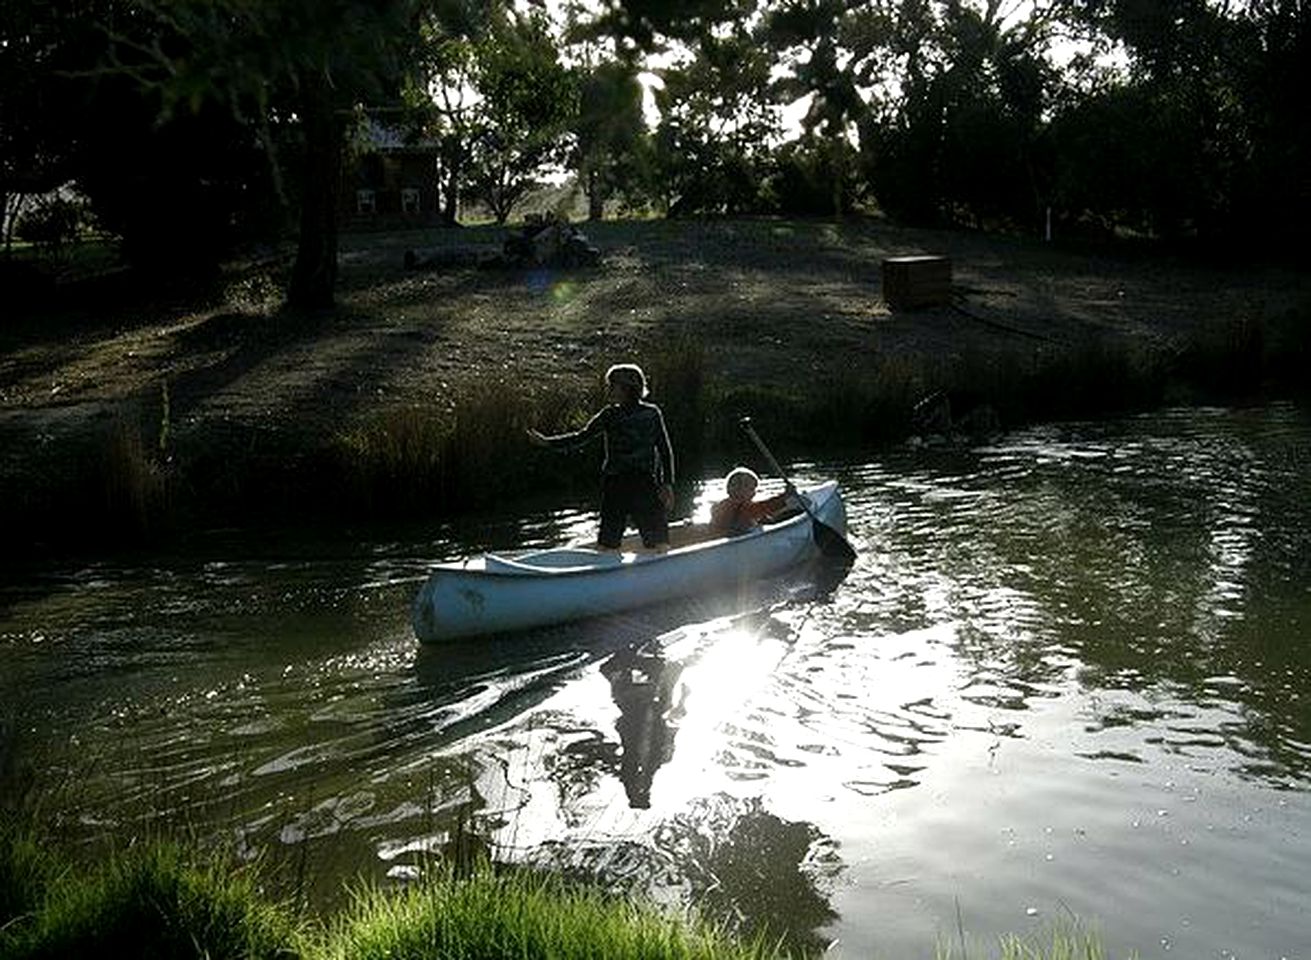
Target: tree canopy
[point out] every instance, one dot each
(1171, 118)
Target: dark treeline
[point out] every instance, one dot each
(188, 127)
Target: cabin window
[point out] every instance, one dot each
(410, 200)
(366, 201)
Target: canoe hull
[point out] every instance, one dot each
(498, 595)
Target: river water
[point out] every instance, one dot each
(1069, 675)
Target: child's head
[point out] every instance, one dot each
(740, 484)
(628, 380)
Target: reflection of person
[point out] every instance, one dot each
(739, 512)
(637, 475)
(643, 687)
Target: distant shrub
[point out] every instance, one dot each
(814, 180)
(52, 223)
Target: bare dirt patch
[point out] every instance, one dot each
(778, 303)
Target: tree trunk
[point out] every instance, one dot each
(595, 200)
(452, 162)
(451, 199)
(314, 276)
(6, 228)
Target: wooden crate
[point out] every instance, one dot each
(922, 281)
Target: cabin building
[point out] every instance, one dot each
(390, 181)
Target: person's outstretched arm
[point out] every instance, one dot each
(574, 440)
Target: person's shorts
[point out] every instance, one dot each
(632, 495)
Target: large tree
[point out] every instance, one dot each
(611, 143)
(1207, 119)
(718, 122)
(40, 49)
(307, 64)
(520, 124)
(946, 98)
(450, 110)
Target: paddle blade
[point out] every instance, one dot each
(832, 544)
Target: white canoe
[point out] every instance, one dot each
(498, 593)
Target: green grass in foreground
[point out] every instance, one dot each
(1065, 941)
(162, 901)
(490, 916)
(156, 901)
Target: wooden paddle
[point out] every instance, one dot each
(831, 543)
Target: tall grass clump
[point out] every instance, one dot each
(777, 414)
(436, 461)
(1066, 940)
(1226, 358)
(1098, 375)
(678, 382)
(1247, 355)
(486, 443)
(135, 493)
(112, 484)
(866, 405)
(152, 901)
(470, 451)
(1288, 348)
(489, 916)
(392, 462)
(25, 872)
(1062, 942)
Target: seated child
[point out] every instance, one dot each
(738, 513)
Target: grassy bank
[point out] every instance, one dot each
(409, 402)
(161, 901)
(132, 482)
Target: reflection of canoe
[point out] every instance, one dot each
(497, 593)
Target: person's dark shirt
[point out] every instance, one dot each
(636, 441)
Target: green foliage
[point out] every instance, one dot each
(162, 901)
(52, 223)
(155, 901)
(1202, 137)
(136, 492)
(180, 194)
(159, 900)
(1065, 940)
(644, 26)
(959, 143)
(227, 81)
(447, 114)
(520, 126)
(678, 380)
(189, 122)
(519, 914)
(25, 873)
(717, 119)
(407, 462)
(612, 146)
(814, 176)
(193, 124)
(39, 42)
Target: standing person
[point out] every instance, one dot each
(637, 475)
